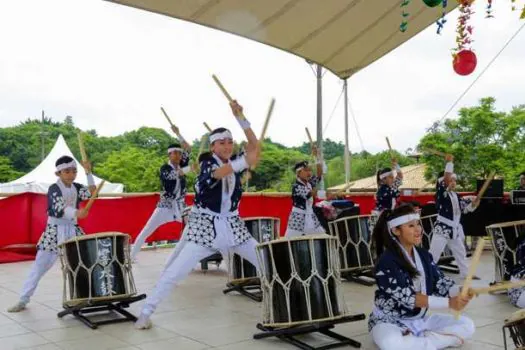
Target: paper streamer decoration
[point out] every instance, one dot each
(404, 23)
(489, 9)
(441, 21)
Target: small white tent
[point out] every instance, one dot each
(43, 176)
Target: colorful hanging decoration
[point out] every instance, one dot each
(465, 62)
(432, 3)
(404, 23)
(441, 21)
(489, 9)
(464, 29)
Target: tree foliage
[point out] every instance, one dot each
(481, 140)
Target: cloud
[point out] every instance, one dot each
(111, 67)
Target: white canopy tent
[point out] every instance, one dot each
(43, 176)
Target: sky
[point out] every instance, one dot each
(112, 67)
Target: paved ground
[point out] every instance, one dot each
(196, 316)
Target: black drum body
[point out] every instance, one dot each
(96, 267)
(505, 237)
(516, 327)
(263, 229)
(354, 242)
(300, 281)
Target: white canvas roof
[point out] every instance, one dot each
(43, 176)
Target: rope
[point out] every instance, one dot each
(356, 125)
(333, 111)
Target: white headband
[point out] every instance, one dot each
(63, 166)
(382, 176)
(402, 220)
(221, 136)
(299, 169)
(173, 149)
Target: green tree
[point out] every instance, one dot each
(136, 168)
(331, 149)
(7, 172)
(362, 165)
(481, 140)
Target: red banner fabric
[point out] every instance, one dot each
(24, 216)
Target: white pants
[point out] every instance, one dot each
(456, 246)
(186, 258)
(159, 217)
(311, 227)
(441, 331)
(43, 262)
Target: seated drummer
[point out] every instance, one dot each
(521, 187)
(517, 295)
(63, 199)
(302, 219)
(409, 283)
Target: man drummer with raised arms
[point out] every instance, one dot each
(63, 200)
(171, 204)
(214, 222)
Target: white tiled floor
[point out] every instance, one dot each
(197, 315)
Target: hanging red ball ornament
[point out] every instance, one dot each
(465, 62)
(432, 3)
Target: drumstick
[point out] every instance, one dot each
(230, 99)
(433, 151)
(204, 140)
(166, 115)
(485, 186)
(265, 127)
(82, 149)
(267, 120)
(389, 148)
(94, 195)
(472, 269)
(207, 127)
(496, 288)
(309, 138)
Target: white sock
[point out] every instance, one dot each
(143, 322)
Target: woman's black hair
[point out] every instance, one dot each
(381, 172)
(63, 160)
(383, 239)
(203, 156)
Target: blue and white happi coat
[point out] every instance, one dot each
(386, 196)
(62, 204)
(449, 209)
(173, 193)
(518, 274)
(395, 297)
(216, 200)
(302, 217)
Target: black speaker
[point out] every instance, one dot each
(495, 189)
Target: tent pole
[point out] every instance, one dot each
(347, 146)
(319, 75)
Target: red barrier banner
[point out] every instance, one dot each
(24, 216)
